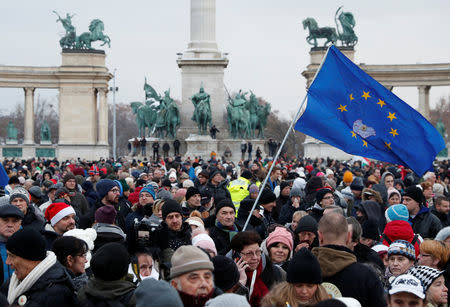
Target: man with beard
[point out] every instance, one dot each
(61, 218)
(192, 275)
(173, 232)
(108, 192)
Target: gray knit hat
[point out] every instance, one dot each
(19, 192)
(188, 258)
(228, 299)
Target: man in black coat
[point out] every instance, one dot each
(340, 267)
(51, 287)
(224, 228)
(441, 209)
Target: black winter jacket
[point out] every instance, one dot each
(425, 223)
(221, 239)
(53, 288)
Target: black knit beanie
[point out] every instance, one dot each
(226, 273)
(110, 262)
(370, 230)
(225, 203)
(191, 191)
(27, 243)
(415, 193)
(307, 223)
(170, 206)
(304, 268)
(321, 193)
(267, 196)
(246, 174)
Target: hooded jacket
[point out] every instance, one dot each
(353, 279)
(98, 292)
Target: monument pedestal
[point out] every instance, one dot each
(88, 152)
(314, 148)
(201, 146)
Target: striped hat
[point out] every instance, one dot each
(402, 248)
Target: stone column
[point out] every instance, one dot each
(29, 116)
(102, 117)
(424, 101)
(203, 25)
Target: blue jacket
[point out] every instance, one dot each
(7, 270)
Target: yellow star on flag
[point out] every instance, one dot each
(387, 145)
(364, 143)
(343, 108)
(351, 97)
(353, 134)
(381, 103)
(393, 132)
(366, 95)
(392, 116)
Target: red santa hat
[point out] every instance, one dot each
(57, 211)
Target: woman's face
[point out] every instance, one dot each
(428, 193)
(252, 255)
(76, 263)
(437, 292)
(398, 265)
(279, 253)
(305, 292)
(427, 259)
(394, 199)
(295, 222)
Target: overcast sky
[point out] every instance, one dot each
(264, 39)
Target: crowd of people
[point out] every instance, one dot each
(187, 232)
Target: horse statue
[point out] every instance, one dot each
(172, 120)
(238, 116)
(145, 117)
(203, 117)
(315, 32)
(68, 40)
(96, 34)
(263, 114)
(252, 107)
(347, 21)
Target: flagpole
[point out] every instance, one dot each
(294, 120)
(274, 162)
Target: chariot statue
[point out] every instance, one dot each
(345, 22)
(71, 41)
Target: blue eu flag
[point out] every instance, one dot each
(350, 110)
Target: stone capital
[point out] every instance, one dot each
(102, 90)
(29, 90)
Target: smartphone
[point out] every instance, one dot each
(236, 256)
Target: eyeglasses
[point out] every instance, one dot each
(115, 191)
(248, 254)
(328, 197)
(425, 255)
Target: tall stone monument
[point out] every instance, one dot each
(202, 62)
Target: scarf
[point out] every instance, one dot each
(259, 288)
(232, 231)
(17, 287)
(194, 301)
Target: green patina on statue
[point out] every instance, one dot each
(11, 132)
(71, 41)
(246, 116)
(345, 22)
(45, 132)
(442, 130)
(159, 115)
(202, 111)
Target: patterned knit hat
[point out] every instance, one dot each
(19, 192)
(402, 248)
(425, 274)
